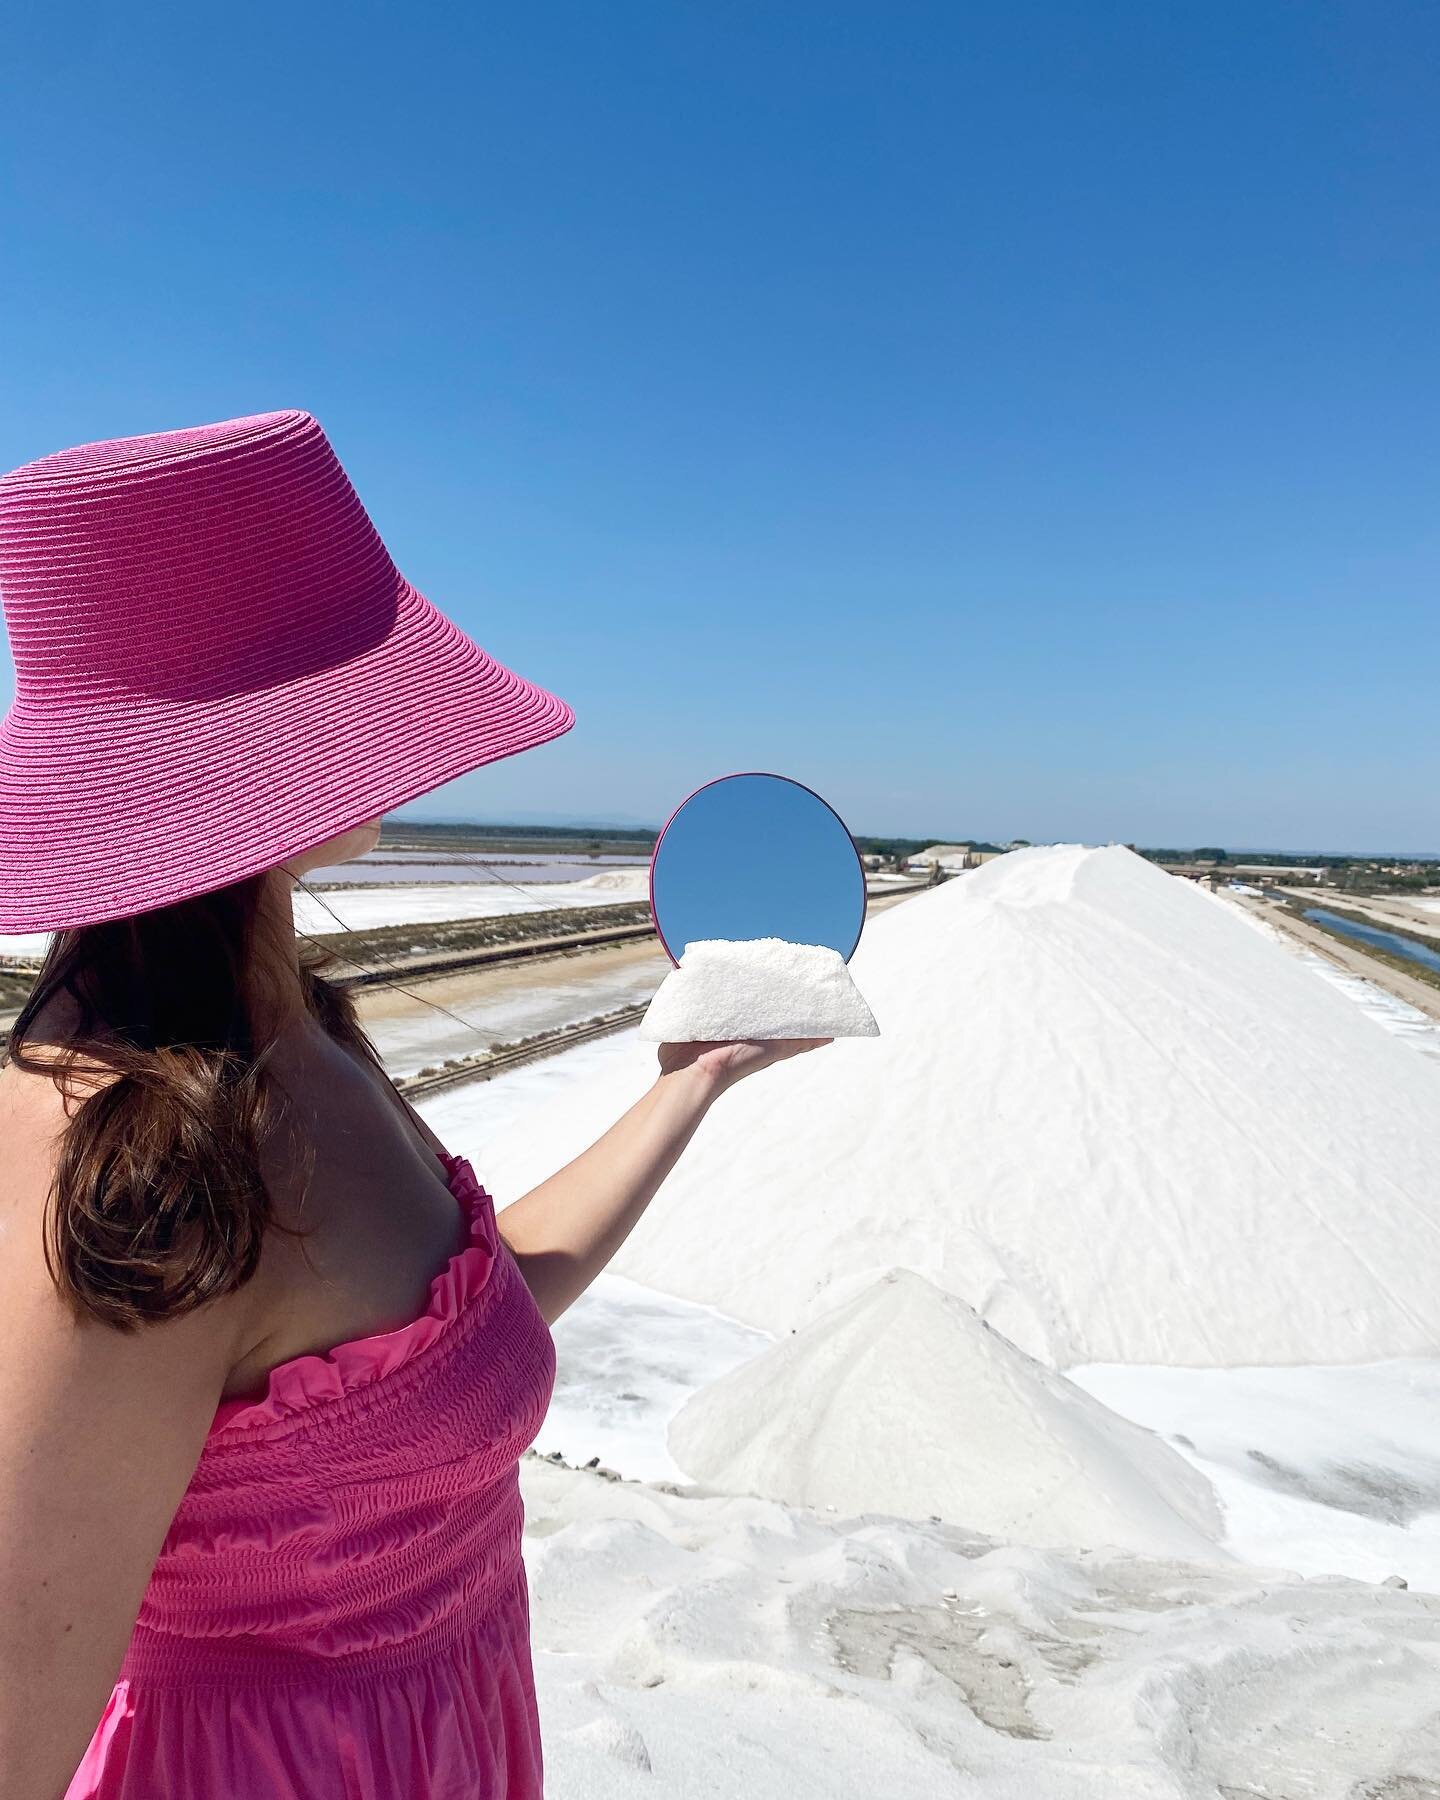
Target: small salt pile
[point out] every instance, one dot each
(903, 1401)
(728, 988)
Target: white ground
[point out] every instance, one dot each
(690, 1645)
(697, 1645)
(694, 1648)
(1321, 1471)
(1318, 1469)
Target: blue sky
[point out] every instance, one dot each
(1012, 421)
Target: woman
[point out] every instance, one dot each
(268, 1362)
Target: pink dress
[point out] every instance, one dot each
(340, 1611)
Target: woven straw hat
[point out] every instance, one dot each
(217, 666)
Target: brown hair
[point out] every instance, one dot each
(158, 1205)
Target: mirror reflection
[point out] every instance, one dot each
(757, 855)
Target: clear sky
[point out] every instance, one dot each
(1012, 420)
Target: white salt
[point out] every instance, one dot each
(728, 988)
(740, 1646)
(903, 1401)
(1120, 1123)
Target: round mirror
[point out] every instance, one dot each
(752, 856)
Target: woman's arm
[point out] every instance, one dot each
(100, 1432)
(564, 1232)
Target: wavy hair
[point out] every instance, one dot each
(158, 1204)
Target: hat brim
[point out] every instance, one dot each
(113, 807)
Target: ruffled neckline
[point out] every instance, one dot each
(326, 1375)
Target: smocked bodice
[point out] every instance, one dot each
(366, 1513)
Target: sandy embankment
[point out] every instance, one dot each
(505, 1002)
(1408, 988)
(1385, 909)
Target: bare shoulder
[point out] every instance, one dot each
(35, 1111)
(385, 1087)
(36, 1106)
(100, 1433)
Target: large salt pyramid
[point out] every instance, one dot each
(903, 1401)
(1119, 1121)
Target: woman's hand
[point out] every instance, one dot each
(724, 1064)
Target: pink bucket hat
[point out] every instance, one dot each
(217, 666)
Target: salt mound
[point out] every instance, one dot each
(1120, 1123)
(949, 856)
(727, 988)
(617, 881)
(902, 1401)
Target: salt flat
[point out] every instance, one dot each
(364, 909)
